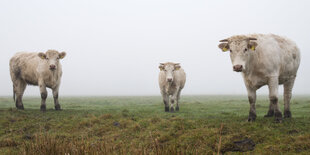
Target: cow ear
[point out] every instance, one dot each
(224, 47)
(62, 55)
(252, 45)
(161, 66)
(42, 55)
(177, 66)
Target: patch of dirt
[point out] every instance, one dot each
(239, 146)
(292, 132)
(244, 145)
(116, 124)
(28, 136)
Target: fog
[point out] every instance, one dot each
(115, 47)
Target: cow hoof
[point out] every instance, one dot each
(177, 109)
(43, 108)
(287, 114)
(57, 107)
(278, 120)
(171, 109)
(252, 117)
(20, 107)
(278, 117)
(166, 109)
(270, 113)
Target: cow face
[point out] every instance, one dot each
(239, 51)
(52, 57)
(169, 69)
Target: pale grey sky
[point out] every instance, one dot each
(114, 47)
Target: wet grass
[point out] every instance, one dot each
(139, 125)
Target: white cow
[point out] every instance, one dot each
(171, 81)
(42, 69)
(265, 59)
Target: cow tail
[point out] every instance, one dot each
(14, 93)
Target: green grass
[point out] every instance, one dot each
(139, 125)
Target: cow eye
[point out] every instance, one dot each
(245, 49)
(230, 51)
(46, 58)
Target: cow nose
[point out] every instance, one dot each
(169, 79)
(52, 66)
(238, 68)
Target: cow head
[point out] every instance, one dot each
(169, 68)
(240, 48)
(52, 57)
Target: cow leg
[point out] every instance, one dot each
(177, 101)
(273, 85)
(270, 112)
(43, 96)
(19, 88)
(173, 99)
(252, 100)
(55, 95)
(288, 86)
(166, 101)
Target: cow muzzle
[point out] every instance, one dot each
(238, 68)
(169, 79)
(52, 67)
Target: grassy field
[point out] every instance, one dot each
(139, 125)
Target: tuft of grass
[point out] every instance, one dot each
(105, 116)
(8, 142)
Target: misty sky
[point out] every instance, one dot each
(114, 47)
